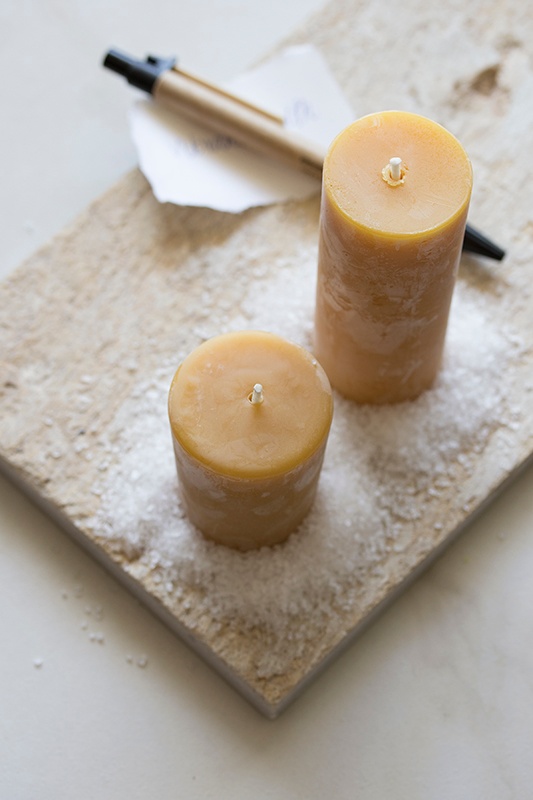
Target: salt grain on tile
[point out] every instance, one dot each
(384, 467)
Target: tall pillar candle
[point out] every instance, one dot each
(250, 415)
(395, 194)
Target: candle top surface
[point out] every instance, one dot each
(213, 418)
(436, 174)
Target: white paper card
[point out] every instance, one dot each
(189, 165)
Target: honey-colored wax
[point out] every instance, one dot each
(248, 461)
(389, 253)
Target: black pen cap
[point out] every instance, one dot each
(142, 74)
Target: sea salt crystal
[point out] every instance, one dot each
(384, 468)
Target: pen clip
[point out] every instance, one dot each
(224, 93)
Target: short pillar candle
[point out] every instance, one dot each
(250, 415)
(395, 195)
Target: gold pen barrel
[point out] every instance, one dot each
(222, 112)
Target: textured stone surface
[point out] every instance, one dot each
(133, 284)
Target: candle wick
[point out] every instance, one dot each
(395, 168)
(394, 172)
(256, 398)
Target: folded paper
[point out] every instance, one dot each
(190, 165)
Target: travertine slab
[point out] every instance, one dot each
(133, 285)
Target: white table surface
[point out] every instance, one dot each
(97, 698)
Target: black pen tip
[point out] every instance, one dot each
(476, 242)
(117, 62)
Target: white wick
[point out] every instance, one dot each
(395, 166)
(257, 395)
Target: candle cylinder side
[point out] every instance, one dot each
(246, 514)
(389, 253)
(248, 471)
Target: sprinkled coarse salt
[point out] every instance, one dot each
(385, 469)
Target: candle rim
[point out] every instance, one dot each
(259, 471)
(462, 207)
(256, 476)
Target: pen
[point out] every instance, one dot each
(213, 107)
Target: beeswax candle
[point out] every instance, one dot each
(250, 415)
(395, 194)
